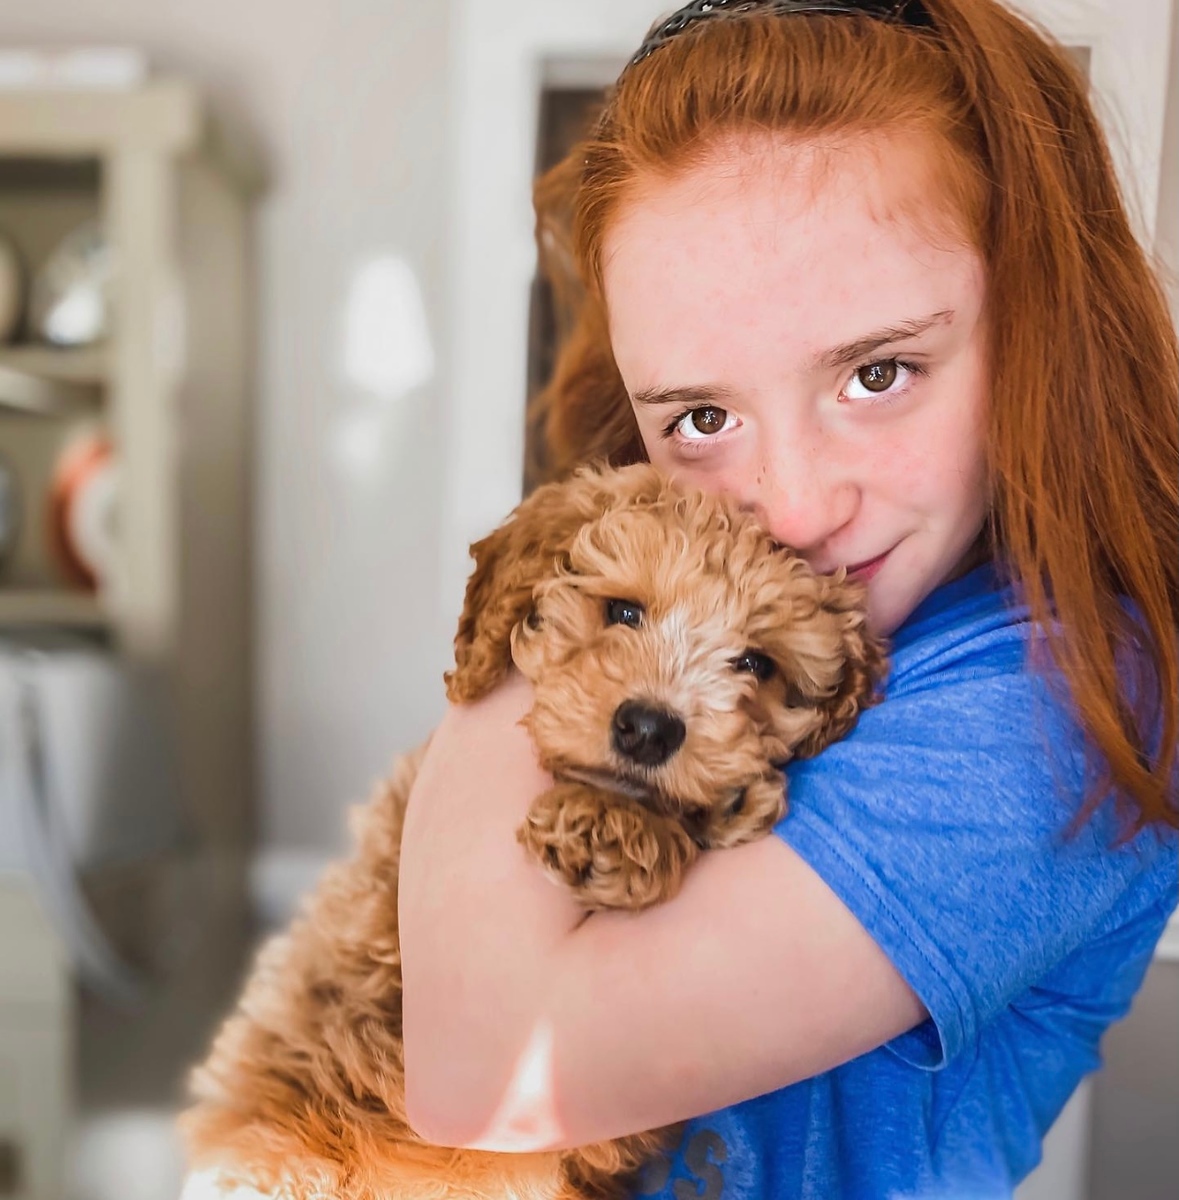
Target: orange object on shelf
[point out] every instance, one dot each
(81, 510)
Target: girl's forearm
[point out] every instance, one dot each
(480, 925)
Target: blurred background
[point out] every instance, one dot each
(268, 324)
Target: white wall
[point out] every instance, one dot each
(348, 102)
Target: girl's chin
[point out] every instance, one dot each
(884, 621)
(889, 606)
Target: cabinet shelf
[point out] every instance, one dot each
(26, 607)
(50, 381)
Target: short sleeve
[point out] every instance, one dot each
(940, 821)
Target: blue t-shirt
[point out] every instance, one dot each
(940, 821)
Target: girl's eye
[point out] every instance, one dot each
(887, 377)
(700, 423)
(754, 663)
(624, 612)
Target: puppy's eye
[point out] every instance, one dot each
(752, 662)
(624, 612)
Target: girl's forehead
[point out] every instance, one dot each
(769, 189)
(823, 237)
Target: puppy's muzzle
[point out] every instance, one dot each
(647, 736)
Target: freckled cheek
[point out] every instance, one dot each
(930, 464)
(713, 478)
(899, 475)
(894, 467)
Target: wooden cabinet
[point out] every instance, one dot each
(169, 390)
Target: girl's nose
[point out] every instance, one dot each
(800, 501)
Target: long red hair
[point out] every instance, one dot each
(1083, 439)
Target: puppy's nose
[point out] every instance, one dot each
(646, 735)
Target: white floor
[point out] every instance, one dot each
(125, 1155)
(130, 1079)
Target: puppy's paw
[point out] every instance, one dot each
(758, 808)
(609, 850)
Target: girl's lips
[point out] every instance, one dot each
(865, 570)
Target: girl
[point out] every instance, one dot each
(864, 265)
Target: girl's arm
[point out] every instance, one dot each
(529, 1026)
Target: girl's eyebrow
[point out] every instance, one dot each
(850, 352)
(701, 395)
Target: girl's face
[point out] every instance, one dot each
(803, 330)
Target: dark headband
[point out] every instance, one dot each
(904, 12)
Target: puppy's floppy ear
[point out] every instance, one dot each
(532, 545)
(865, 664)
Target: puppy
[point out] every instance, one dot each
(679, 659)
